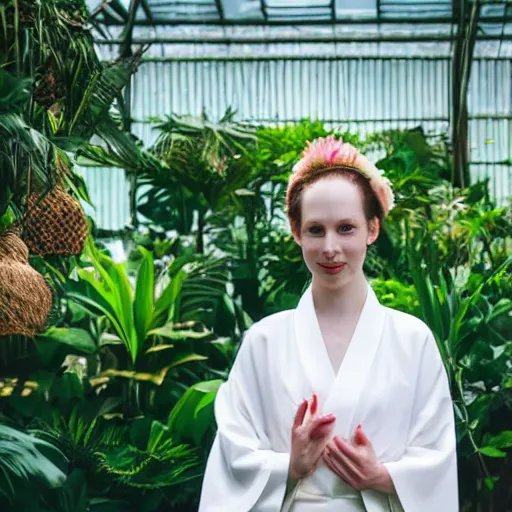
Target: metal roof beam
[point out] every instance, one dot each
(376, 38)
(220, 9)
(147, 10)
(413, 20)
(296, 7)
(263, 7)
(119, 9)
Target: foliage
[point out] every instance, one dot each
(123, 382)
(27, 463)
(196, 177)
(397, 295)
(55, 95)
(143, 319)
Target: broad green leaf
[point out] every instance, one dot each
(206, 401)
(165, 304)
(503, 440)
(491, 451)
(116, 283)
(144, 296)
(25, 458)
(183, 417)
(79, 339)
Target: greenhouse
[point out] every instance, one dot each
(182, 182)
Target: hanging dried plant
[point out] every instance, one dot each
(54, 224)
(25, 297)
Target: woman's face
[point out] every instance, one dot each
(334, 232)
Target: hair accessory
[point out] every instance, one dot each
(329, 153)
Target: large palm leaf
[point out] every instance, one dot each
(25, 460)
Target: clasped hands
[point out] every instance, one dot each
(355, 462)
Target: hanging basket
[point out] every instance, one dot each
(54, 225)
(12, 247)
(25, 297)
(49, 89)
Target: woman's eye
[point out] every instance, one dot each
(315, 230)
(345, 228)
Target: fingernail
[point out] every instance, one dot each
(359, 426)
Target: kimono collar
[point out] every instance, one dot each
(355, 368)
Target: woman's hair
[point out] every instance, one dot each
(328, 157)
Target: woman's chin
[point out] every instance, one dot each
(333, 282)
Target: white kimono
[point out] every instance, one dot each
(391, 381)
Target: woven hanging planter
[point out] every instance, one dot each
(25, 298)
(55, 225)
(49, 88)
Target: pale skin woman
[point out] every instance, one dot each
(334, 234)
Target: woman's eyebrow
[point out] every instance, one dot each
(340, 221)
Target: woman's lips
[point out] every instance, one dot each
(332, 268)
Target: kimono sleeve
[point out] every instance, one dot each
(243, 473)
(425, 478)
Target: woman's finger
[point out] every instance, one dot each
(343, 461)
(360, 437)
(321, 426)
(314, 405)
(346, 449)
(300, 414)
(338, 470)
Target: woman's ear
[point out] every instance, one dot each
(373, 231)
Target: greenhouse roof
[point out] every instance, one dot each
(246, 27)
(285, 12)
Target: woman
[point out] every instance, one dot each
(377, 432)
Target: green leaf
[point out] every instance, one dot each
(165, 304)
(144, 296)
(184, 419)
(158, 348)
(502, 441)
(503, 306)
(167, 331)
(156, 433)
(79, 339)
(490, 482)
(22, 459)
(188, 358)
(206, 401)
(491, 451)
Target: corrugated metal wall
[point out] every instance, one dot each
(364, 94)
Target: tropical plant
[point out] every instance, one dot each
(140, 320)
(472, 329)
(27, 463)
(55, 95)
(197, 176)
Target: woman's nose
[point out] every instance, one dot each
(331, 246)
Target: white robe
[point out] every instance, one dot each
(391, 381)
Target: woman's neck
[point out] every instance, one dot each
(345, 301)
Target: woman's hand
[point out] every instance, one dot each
(309, 438)
(356, 463)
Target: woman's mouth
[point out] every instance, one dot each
(332, 268)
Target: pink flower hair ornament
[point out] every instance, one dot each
(327, 153)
